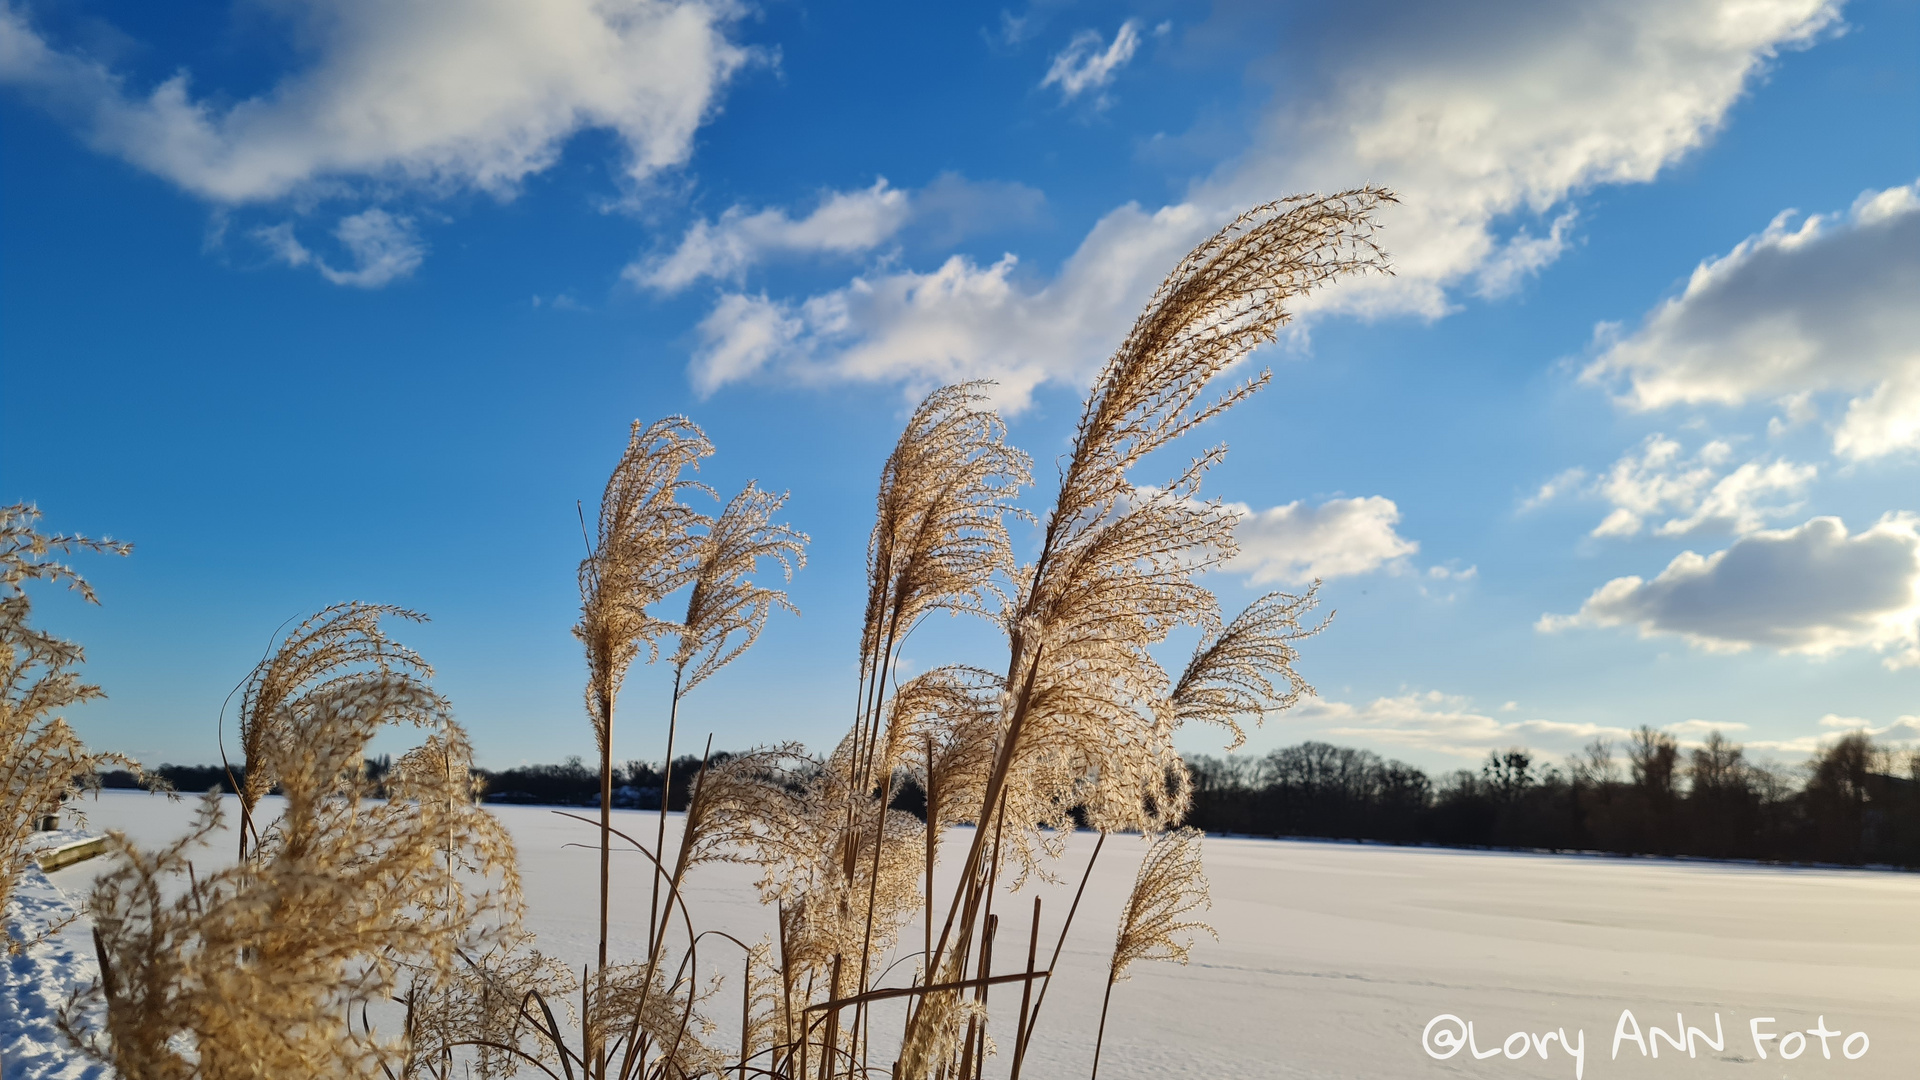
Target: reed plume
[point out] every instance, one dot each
(1168, 887)
(336, 649)
(1233, 673)
(480, 1014)
(647, 546)
(725, 612)
(42, 762)
(255, 970)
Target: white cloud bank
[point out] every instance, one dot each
(1474, 113)
(1812, 589)
(1295, 544)
(1828, 305)
(478, 93)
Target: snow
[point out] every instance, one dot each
(37, 981)
(1333, 958)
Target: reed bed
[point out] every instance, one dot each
(408, 895)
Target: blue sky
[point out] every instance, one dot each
(328, 299)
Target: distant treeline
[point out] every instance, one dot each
(571, 783)
(1852, 803)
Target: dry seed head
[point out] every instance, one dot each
(647, 546)
(1118, 562)
(41, 759)
(330, 652)
(620, 1000)
(1226, 297)
(1233, 673)
(482, 1004)
(249, 971)
(939, 535)
(724, 602)
(1168, 887)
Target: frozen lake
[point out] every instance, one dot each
(1333, 958)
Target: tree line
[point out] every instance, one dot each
(1853, 802)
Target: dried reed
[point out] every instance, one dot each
(42, 761)
(1168, 887)
(257, 969)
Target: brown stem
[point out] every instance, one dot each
(980, 995)
(922, 991)
(666, 795)
(1101, 1036)
(1026, 994)
(830, 1043)
(1027, 1034)
(606, 849)
(996, 784)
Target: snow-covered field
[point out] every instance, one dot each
(1333, 958)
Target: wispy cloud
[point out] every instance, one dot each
(841, 223)
(1089, 64)
(383, 248)
(844, 222)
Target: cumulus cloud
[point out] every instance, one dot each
(1823, 306)
(1296, 543)
(383, 247)
(1811, 589)
(1084, 65)
(1483, 116)
(477, 94)
(1659, 478)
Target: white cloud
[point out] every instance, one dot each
(1659, 478)
(1083, 65)
(1444, 724)
(476, 94)
(845, 222)
(965, 321)
(1565, 482)
(1902, 733)
(1295, 543)
(1825, 306)
(383, 247)
(1811, 589)
(740, 335)
(1475, 116)
(1704, 727)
